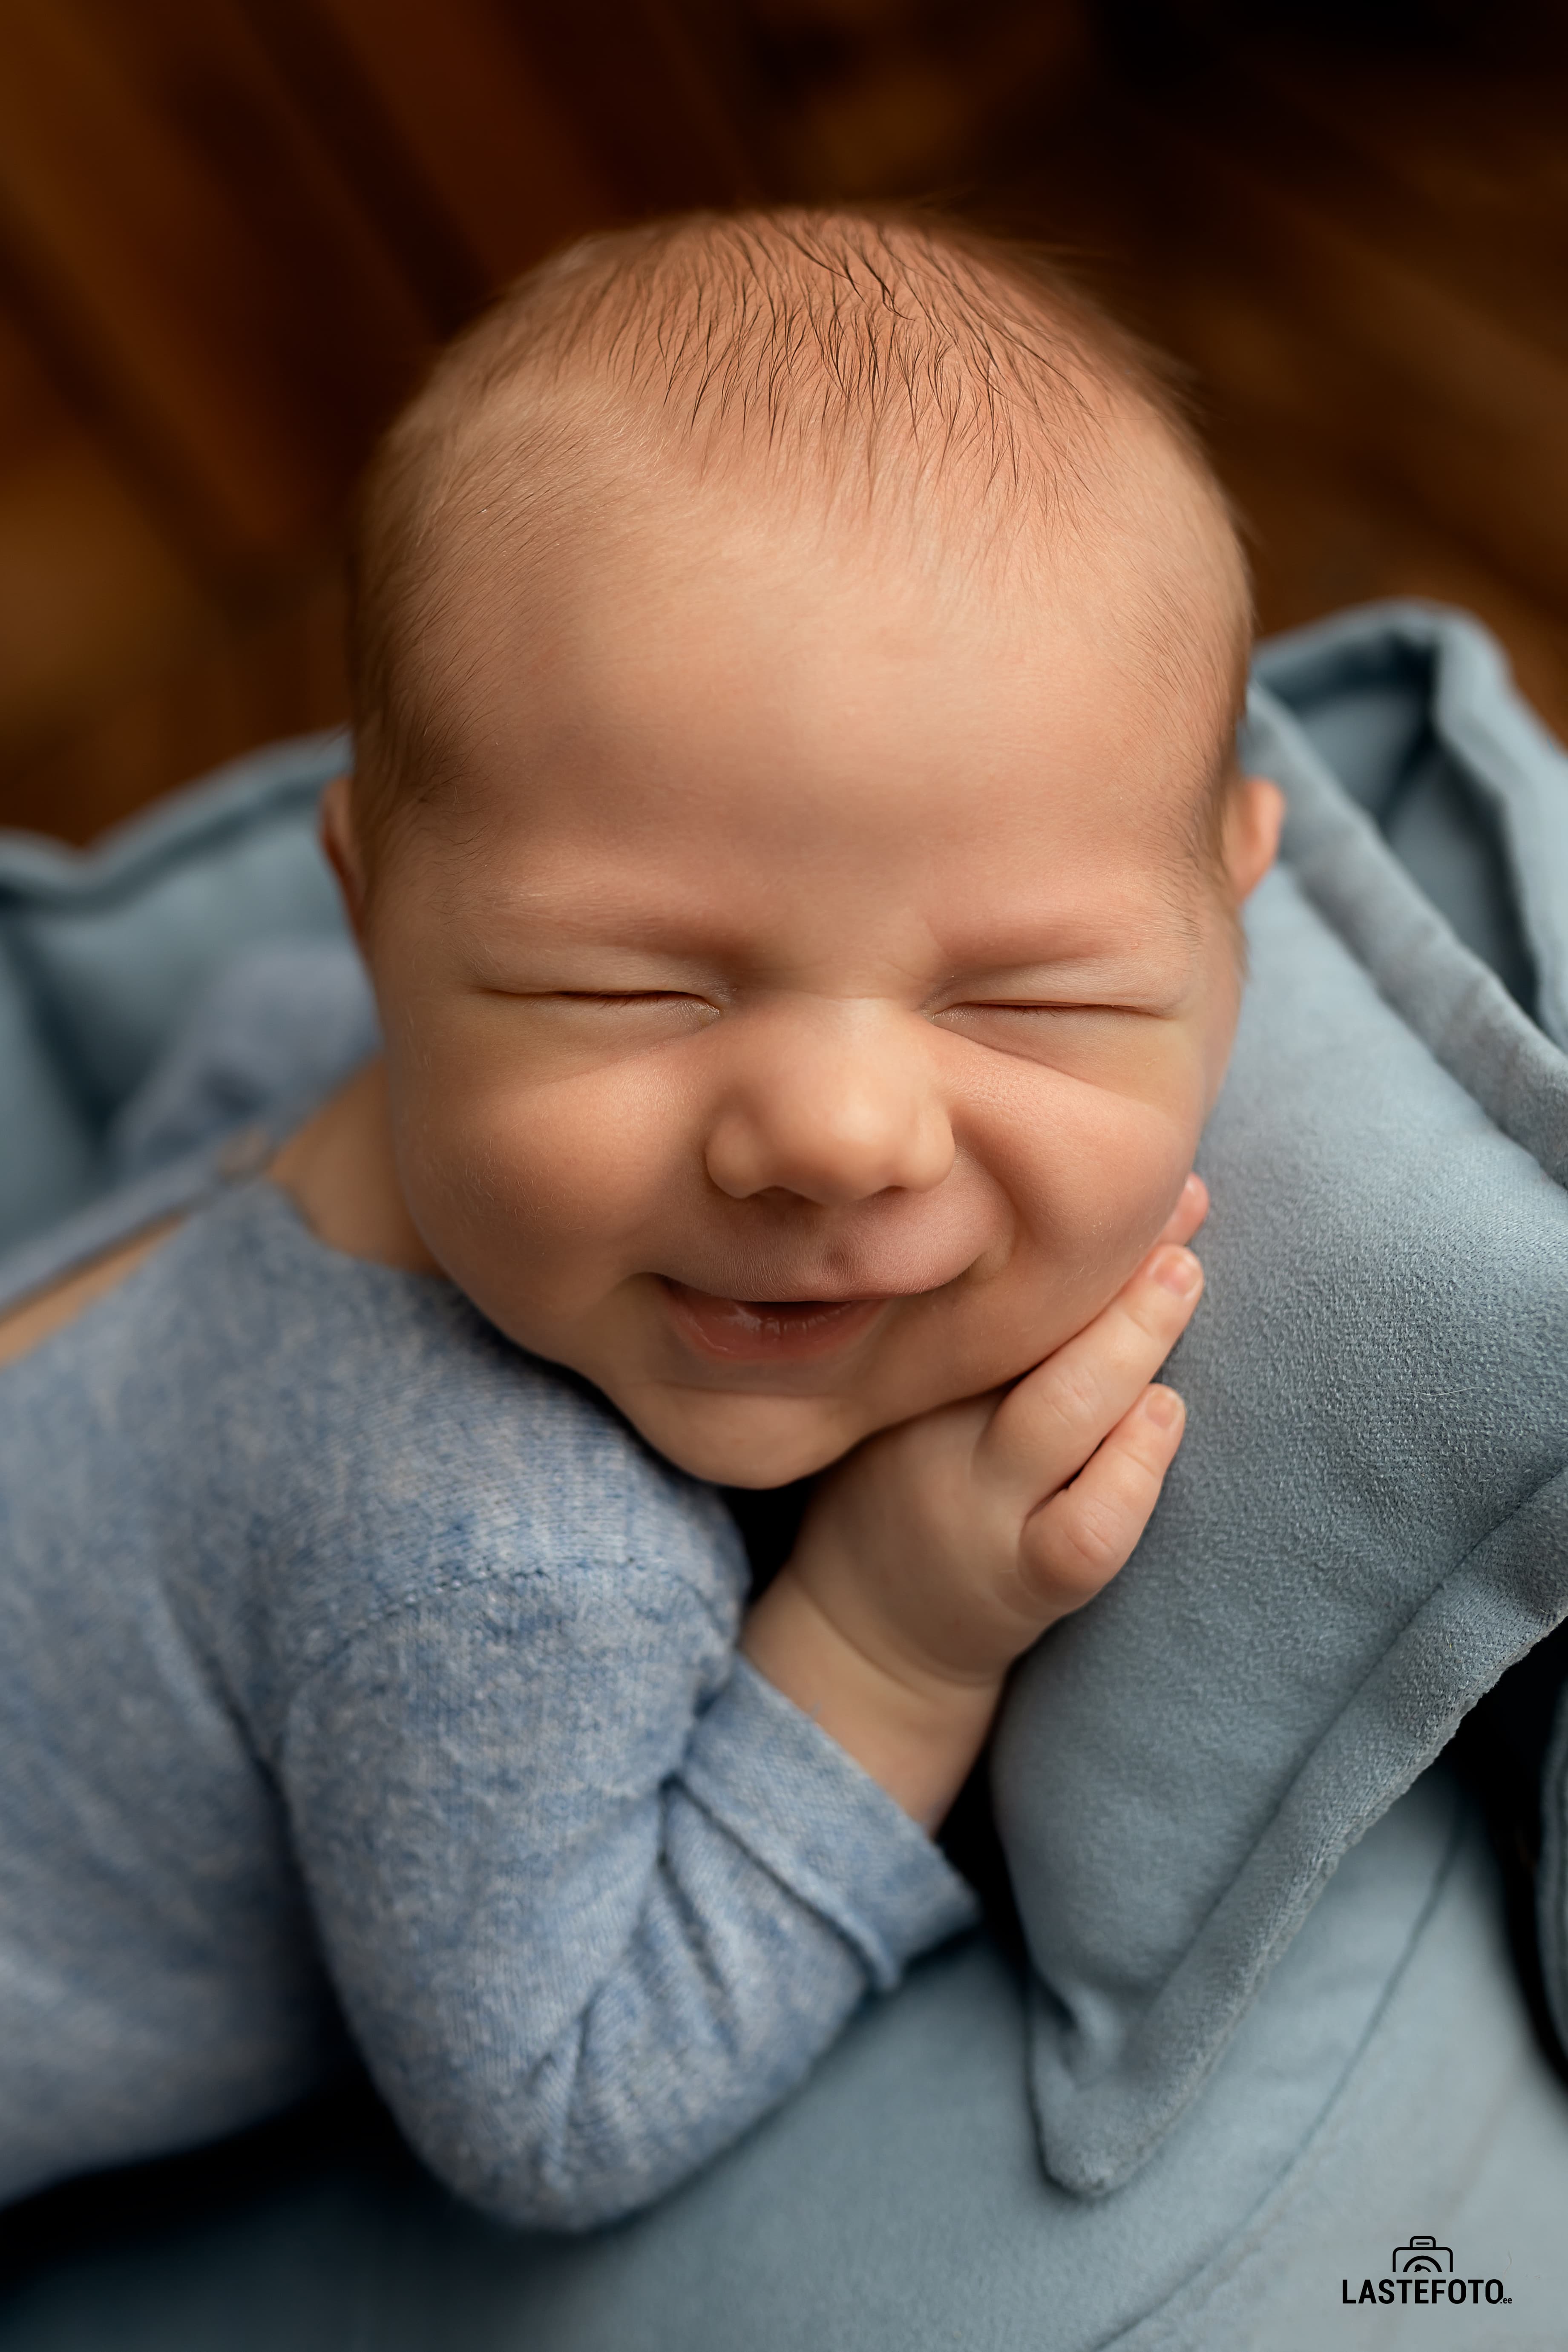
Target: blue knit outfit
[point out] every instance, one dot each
(356, 1669)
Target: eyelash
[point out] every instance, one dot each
(626, 996)
(982, 1006)
(616, 999)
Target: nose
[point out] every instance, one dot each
(832, 1102)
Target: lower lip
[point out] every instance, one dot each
(764, 1331)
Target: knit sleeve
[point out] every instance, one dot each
(595, 1895)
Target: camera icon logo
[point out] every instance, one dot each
(1422, 2256)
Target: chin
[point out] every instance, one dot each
(742, 1440)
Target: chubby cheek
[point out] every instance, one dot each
(536, 1199)
(1092, 1178)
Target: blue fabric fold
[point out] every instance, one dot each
(1368, 1521)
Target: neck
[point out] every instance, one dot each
(340, 1171)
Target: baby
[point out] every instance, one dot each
(796, 842)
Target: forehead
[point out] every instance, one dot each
(648, 683)
(758, 749)
(685, 636)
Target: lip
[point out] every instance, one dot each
(768, 1330)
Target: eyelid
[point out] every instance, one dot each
(1035, 1004)
(625, 996)
(524, 994)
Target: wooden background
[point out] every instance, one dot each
(231, 229)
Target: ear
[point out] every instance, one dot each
(1253, 825)
(341, 844)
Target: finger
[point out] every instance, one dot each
(1045, 1429)
(1189, 1212)
(1073, 1545)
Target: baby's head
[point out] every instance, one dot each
(797, 839)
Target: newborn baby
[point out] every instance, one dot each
(797, 843)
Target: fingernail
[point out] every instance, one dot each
(1163, 1406)
(1177, 1269)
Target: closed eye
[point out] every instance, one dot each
(562, 1029)
(613, 997)
(619, 1013)
(1080, 1037)
(1034, 1011)
(608, 999)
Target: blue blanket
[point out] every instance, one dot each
(1251, 1947)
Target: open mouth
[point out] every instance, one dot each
(768, 1330)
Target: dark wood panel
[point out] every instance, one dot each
(664, 93)
(463, 150)
(91, 590)
(1364, 282)
(220, 685)
(181, 229)
(1322, 534)
(230, 229)
(1303, 315)
(900, 100)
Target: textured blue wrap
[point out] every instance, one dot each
(104, 952)
(352, 1661)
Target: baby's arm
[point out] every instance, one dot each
(944, 1548)
(594, 1893)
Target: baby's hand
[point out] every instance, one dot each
(941, 1549)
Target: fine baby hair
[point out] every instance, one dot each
(891, 364)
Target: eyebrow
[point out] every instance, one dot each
(1112, 972)
(1075, 947)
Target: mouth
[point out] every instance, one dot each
(768, 1330)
